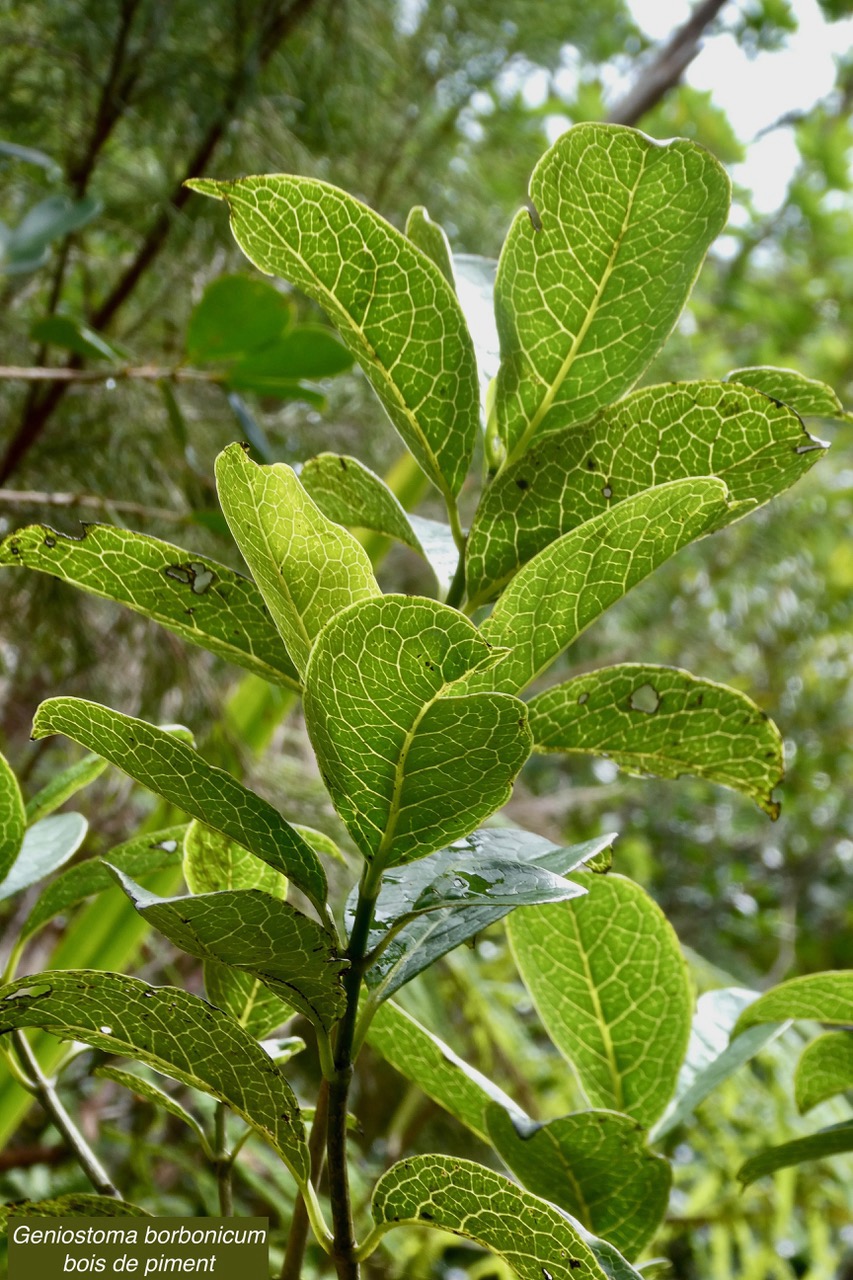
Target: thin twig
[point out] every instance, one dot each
(117, 373)
(36, 498)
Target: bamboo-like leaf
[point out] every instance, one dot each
(63, 785)
(47, 845)
(431, 925)
(432, 1065)
(535, 1238)
(13, 818)
(307, 568)
(568, 585)
(806, 396)
(593, 1164)
(171, 769)
(611, 986)
(152, 1093)
(834, 1141)
(409, 764)
(825, 1069)
(755, 445)
(666, 722)
(710, 1059)
(192, 596)
(823, 997)
(430, 238)
(592, 280)
(212, 862)
(394, 309)
(137, 857)
(258, 934)
(176, 1033)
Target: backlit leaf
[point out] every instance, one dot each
(611, 986)
(152, 1093)
(69, 1206)
(63, 785)
(591, 283)
(245, 997)
(409, 764)
(176, 1033)
(171, 769)
(806, 396)
(825, 1069)
(666, 722)
(194, 597)
(834, 1141)
(13, 818)
(212, 862)
(306, 567)
(430, 238)
(822, 997)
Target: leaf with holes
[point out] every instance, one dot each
(258, 934)
(193, 597)
(307, 568)
(395, 311)
(568, 585)
(171, 769)
(666, 722)
(172, 1031)
(806, 396)
(593, 1164)
(409, 763)
(611, 986)
(591, 282)
(755, 445)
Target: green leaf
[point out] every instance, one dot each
(212, 862)
(350, 494)
(176, 1033)
(27, 246)
(309, 351)
(825, 1069)
(430, 238)
(171, 769)
(73, 335)
(46, 846)
(823, 997)
(13, 818)
(806, 396)
(756, 446)
(568, 585)
(535, 1238)
(75, 1205)
(152, 1093)
(834, 1141)
(666, 722)
(320, 843)
(431, 927)
(409, 764)
(611, 986)
(140, 856)
(394, 309)
(307, 568)
(432, 1065)
(245, 997)
(258, 934)
(63, 785)
(194, 597)
(710, 1059)
(591, 282)
(593, 1164)
(236, 314)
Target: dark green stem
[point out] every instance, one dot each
(44, 1089)
(291, 1268)
(456, 591)
(343, 1244)
(224, 1164)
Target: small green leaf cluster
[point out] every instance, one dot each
(414, 704)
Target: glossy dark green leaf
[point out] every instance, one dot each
(176, 1033)
(194, 597)
(261, 935)
(236, 314)
(608, 978)
(73, 335)
(755, 445)
(47, 845)
(536, 1239)
(63, 785)
(834, 1141)
(13, 818)
(394, 309)
(806, 396)
(666, 722)
(138, 857)
(594, 276)
(824, 1070)
(171, 769)
(409, 764)
(595, 1165)
(307, 568)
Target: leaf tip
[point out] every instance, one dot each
(208, 187)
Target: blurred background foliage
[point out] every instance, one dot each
(109, 105)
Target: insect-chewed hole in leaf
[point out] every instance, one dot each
(646, 699)
(607, 491)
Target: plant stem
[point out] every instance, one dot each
(292, 1266)
(43, 1089)
(223, 1163)
(456, 591)
(343, 1244)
